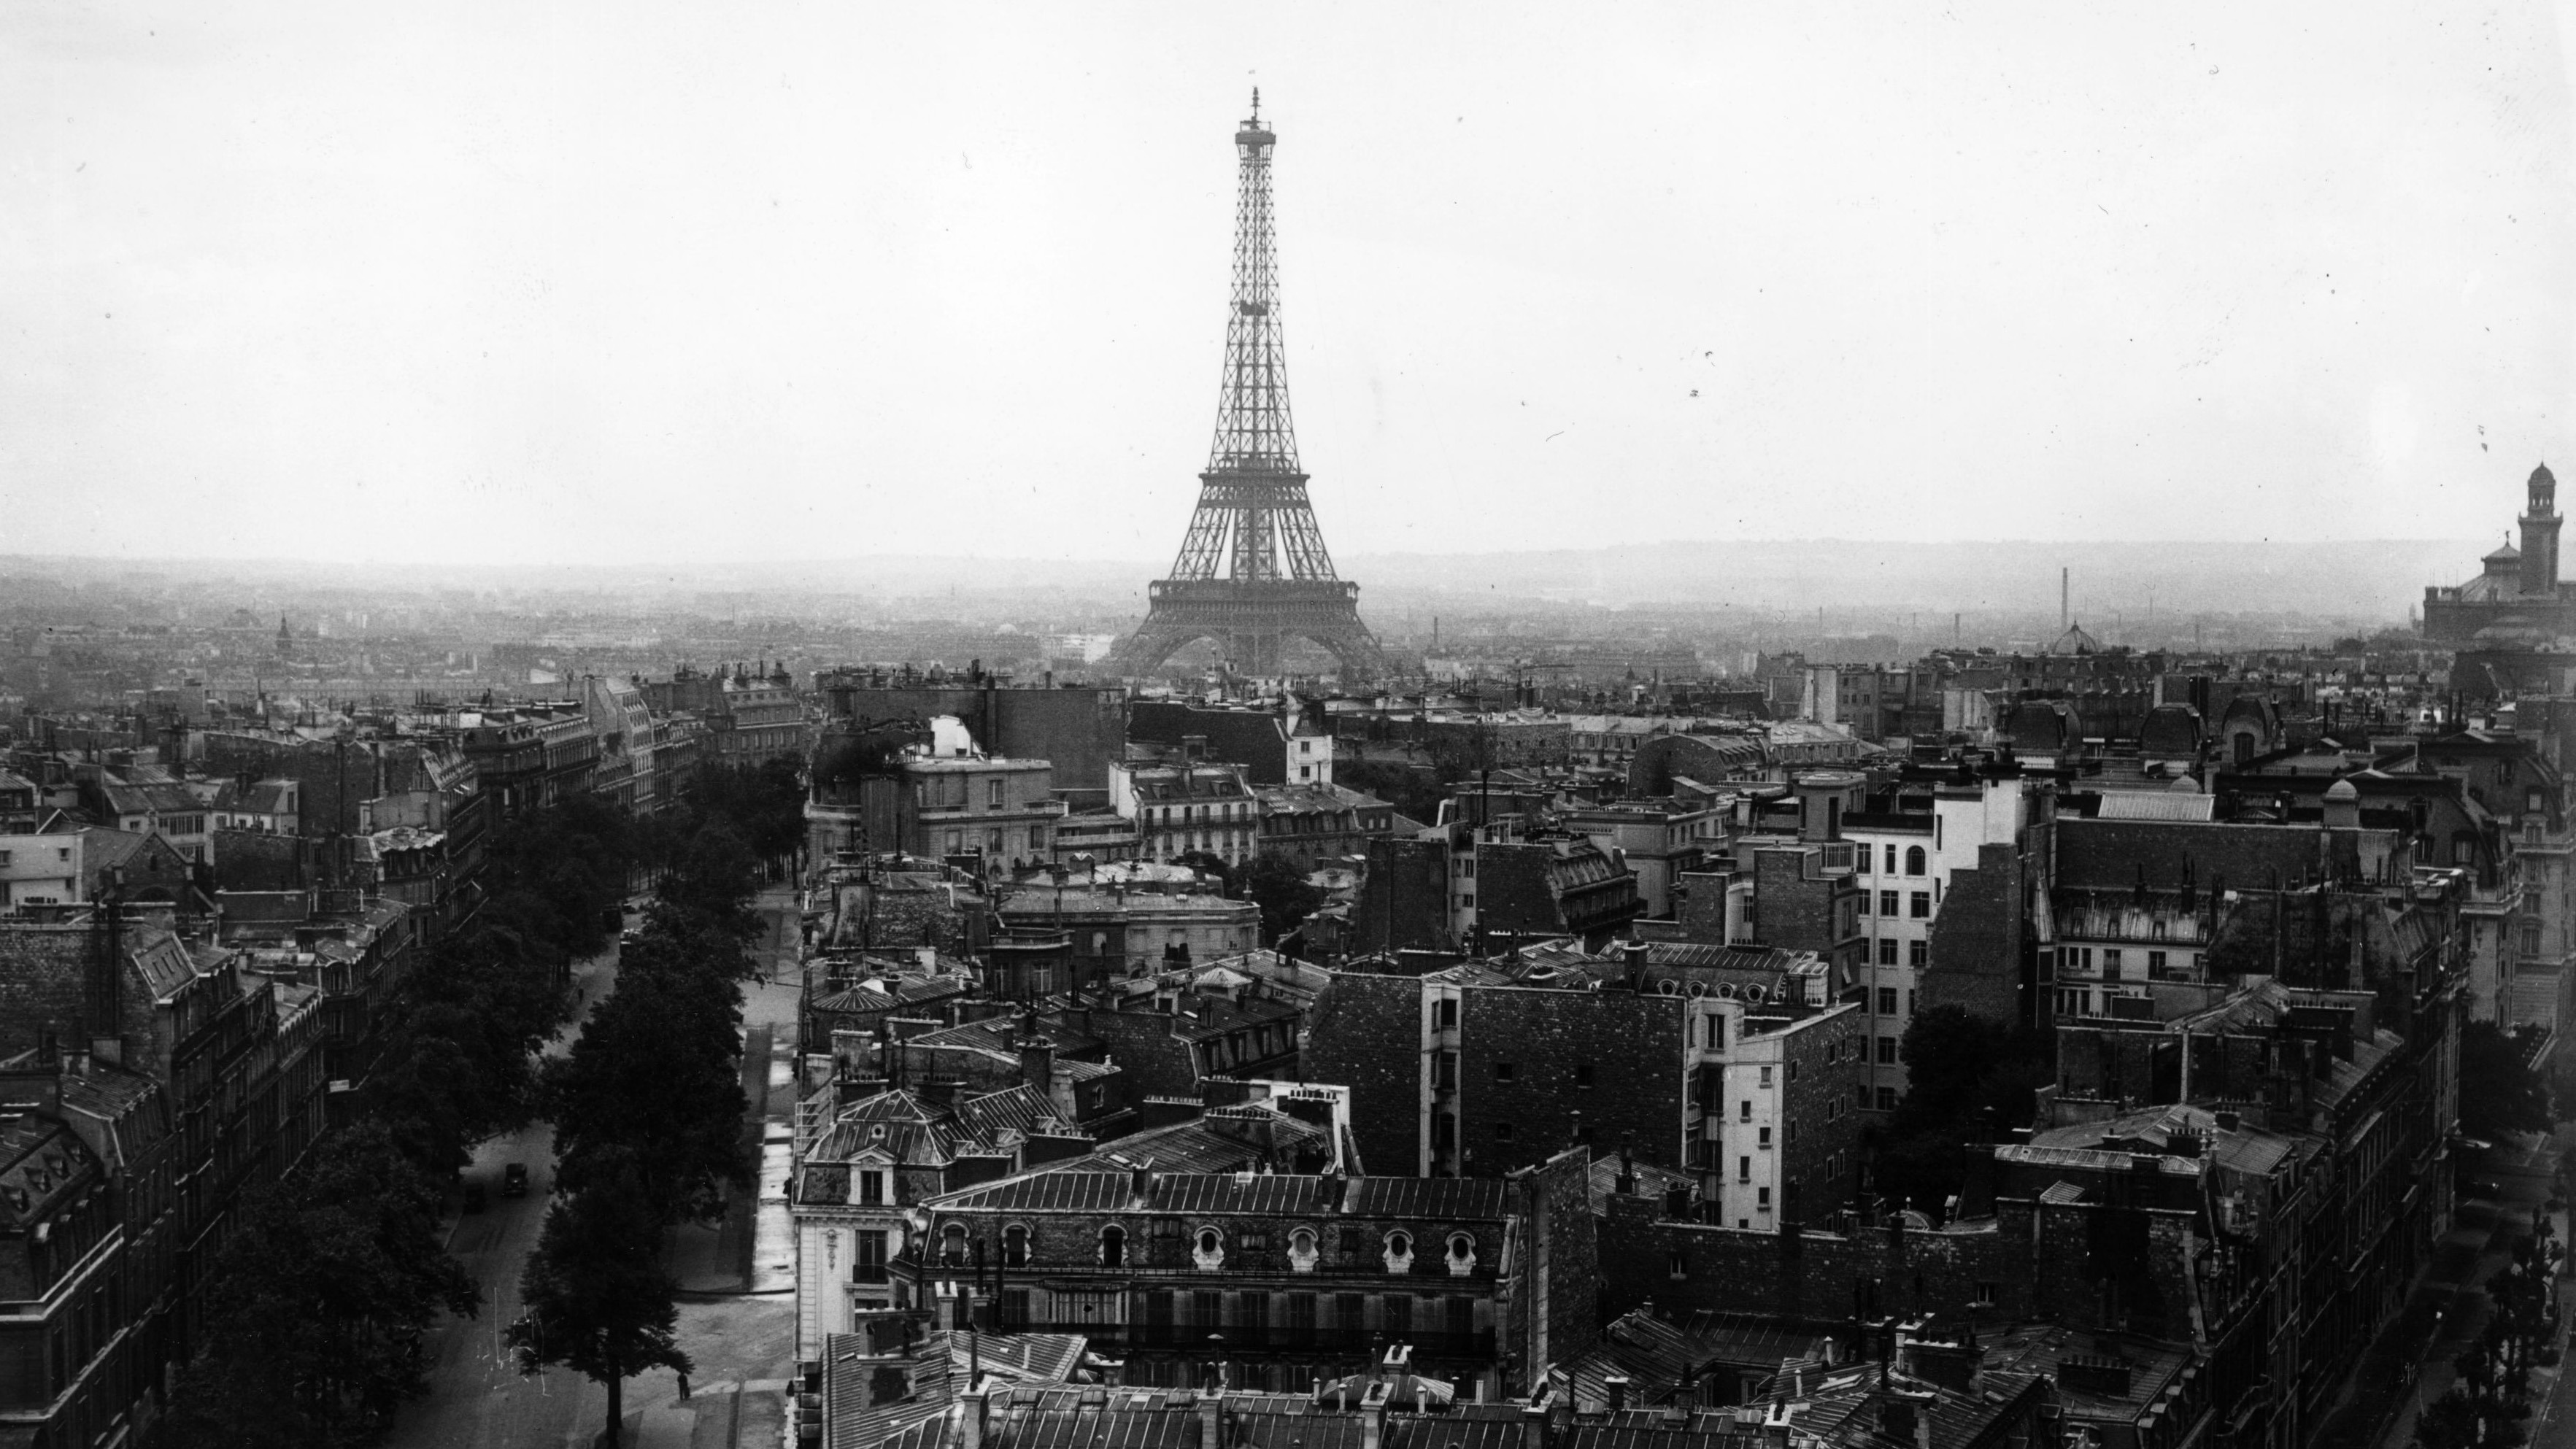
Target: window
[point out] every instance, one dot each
(993, 792)
(1766, 1076)
(1919, 906)
(1887, 951)
(1984, 1297)
(2073, 1001)
(1113, 1246)
(1015, 1246)
(1444, 1071)
(2110, 963)
(871, 1188)
(1208, 1252)
(1399, 1254)
(1762, 1199)
(1887, 1099)
(867, 1257)
(1914, 860)
(1891, 861)
(1887, 1051)
(2155, 965)
(1301, 1259)
(952, 1246)
(1467, 902)
(1887, 1001)
(1462, 1255)
(1744, 1110)
(1502, 1071)
(1762, 1139)
(1744, 1169)
(1918, 953)
(1887, 903)
(1444, 1014)
(1674, 1266)
(1862, 1092)
(1864, 903)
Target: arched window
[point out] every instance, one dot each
(1207, 1250)
(1301, 1250)
(1462, 1255)
(952, 1245)
(1113, 1247)
(1399, 1252)
(1914, 860)
(1015, 1246)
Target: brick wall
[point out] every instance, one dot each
(1682, 1266)
(1631, 1045)
(1976, 943)
(1404, 902)
(1365, 1032)
(1820, 1107)
(1555, 1314)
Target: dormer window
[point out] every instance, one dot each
(1462, 1255)
(1302, 1254)
(1015, 1246)
(1207, 1250)
(1399, 1252)
(1113, 1246)
(952, 1246)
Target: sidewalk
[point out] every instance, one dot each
(718, 1259)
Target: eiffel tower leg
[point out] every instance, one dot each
(1147, 648)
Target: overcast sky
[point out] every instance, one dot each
(636, 282)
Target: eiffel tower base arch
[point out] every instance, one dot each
(1251, 622)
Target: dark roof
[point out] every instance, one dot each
(1276, 1194)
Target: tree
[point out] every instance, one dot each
(653, 1087)
(1207, 864)
(1966, 1076)
(1278, 884)
(317, 1306)
(2499, 1093)
(598, 1298)
(459, 1064)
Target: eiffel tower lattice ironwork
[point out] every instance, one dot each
(1253, 571)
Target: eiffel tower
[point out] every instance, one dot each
(1253, 519)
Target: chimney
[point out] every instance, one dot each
(1140, 1182)
(1037, 1063)
(1212, 1420)
(970, 1418)
(1617, 1385)
(1373, 1414)
(1534, 1434)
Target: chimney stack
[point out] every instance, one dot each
(1373, 1414)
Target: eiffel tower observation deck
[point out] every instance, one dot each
(1253, 572)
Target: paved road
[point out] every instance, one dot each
(744, 1345)
(2478, 1248)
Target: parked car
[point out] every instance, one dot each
(474, 1197)
(514, 1180)
(2477, 1188)
(629, 937)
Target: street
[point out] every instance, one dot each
(2478, 1247)
(743, 1342)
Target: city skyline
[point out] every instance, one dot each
(509, 290)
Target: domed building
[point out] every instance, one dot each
(2517, 591)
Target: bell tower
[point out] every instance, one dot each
(2540, 536)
